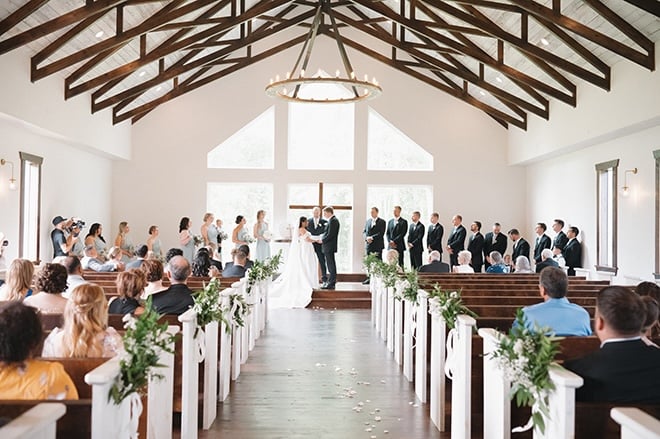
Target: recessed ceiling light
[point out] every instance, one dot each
(498, 79)
(142, 73)
(159, 88)
(545, 42)
(482, 93)
(99, 34)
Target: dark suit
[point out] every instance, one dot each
(622, 372)
(476, 247)
(560, 240)
(456, 242)
(434, 267)
(416, 237)
(329, 247)
(434, 237)
(234, 271)
(177, 299)
(547, 263)
(318, 231)
(489, 246)
(374, 229)
(396, 233)
(573, 256)
(541, 244)
(520, 248)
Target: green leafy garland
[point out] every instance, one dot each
(448, 304)
(263, 270)
(237, 311)
(143, 340)
(374, 265)
(524, 356)
(407, 287)
(208, 305)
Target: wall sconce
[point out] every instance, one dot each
(12, 180)
(625, 190)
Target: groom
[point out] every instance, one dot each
(329, 246)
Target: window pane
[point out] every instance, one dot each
(30, 214)
(390, 149)
(252, 147)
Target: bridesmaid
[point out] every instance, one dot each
(153, 243)
(240, 235)
(262, 235)
(186, 241)
(124, 243)
(209, 232)
(95, 238)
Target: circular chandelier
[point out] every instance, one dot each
(289, 88)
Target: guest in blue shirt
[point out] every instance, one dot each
(556, 312)
(497, 263)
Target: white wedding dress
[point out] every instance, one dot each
(293, 288)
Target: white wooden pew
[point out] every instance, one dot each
(390, 319)
(461, 419)
(190, 376)
(225, 351)
(420, 345)
(409, 309)
(438, 383)
(40, 422)
(636, 424)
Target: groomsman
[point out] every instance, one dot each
(542, 241)
(520, 246)
(560, 238)
(476, 246)
(434, 235)
(456, 240)
(494, 241)
(374, 235)
(396, 233)
(415, 238)
(316, 226)
(573, 251)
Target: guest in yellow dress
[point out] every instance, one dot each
(21, 376)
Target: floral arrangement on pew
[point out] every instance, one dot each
(208, 305)
(261, 271)
(144, 339)
(407, 287)
(524, 356)
(448, 305)
(236, 312)
(372, 264)
(388, 273)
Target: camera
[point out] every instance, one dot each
(5, 243)
(77, 222)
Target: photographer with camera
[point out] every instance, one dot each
(62, 243)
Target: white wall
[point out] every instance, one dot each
(166, 178)
(622, 124)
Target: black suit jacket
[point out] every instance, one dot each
(329, 239)
(573, 253)
(625, 371)
(434, 267)
(456, 239)
(542, 245)
(234, 270)
(560, 240)
(377, 232)
(416, 237)
(521, 249)
(397, 233)
(316, 231)
(476, 247)
(434, 237)
(174, 300)
(547, 263)
(499, 244)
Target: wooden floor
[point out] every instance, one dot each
(321, 374)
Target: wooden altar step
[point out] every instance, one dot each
(347, 295)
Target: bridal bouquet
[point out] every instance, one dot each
(267, 235)
(524, 356)
(222, 235)
(198, 240)
(249, 239)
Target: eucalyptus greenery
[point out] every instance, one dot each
(448, 304)
(208, 304)
(263, 270)
(407, 286)
(143, 340)
(524, 356)
(388, 273)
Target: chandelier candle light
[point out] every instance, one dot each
(289, 87)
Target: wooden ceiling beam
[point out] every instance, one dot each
(648, 6)
(56, 24)
(117, 118)
(647, 60)
(20, 14)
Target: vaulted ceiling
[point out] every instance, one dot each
(509, 58)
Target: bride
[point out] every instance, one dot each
(293, 289)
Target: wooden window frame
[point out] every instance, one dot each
(26, 157)
(601, 167)
(656, 156)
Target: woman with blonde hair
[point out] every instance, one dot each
(130, 286)
(19, 280)
(124, 243)
(262, 235)
(85, 332)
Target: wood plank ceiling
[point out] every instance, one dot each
(508, 58)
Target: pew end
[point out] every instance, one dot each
(39, 422)
(635, 423)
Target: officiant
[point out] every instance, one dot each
(316, 226)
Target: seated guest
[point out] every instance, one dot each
(202, 265)
(523, 265)
(624, 369)
(92, 262)
(652, 290)
(85, 332)
(178, 297)
(130, 286)
(141, 254)
(116, 255)
(546, 260)
(556, 312)
(174, 251)
(51, 283)
(434, 265)
(154, 272)
(558, 257)
(650, 326)
(19, 280)
(246, 249)
(497, 263)
(237, 268)
(74, 274)
(464, 260)
(21, 376)
(508, 264)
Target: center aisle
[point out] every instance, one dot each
(321, 374)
